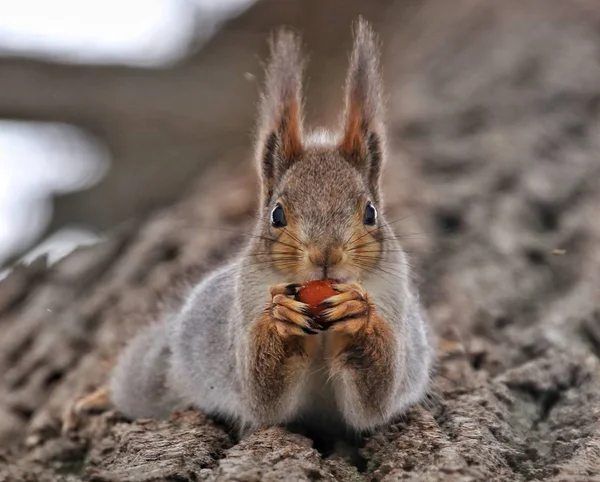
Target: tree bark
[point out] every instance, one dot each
(493, 162)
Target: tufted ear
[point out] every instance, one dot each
(280, 118)
(363, 140)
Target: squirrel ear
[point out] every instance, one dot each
(363, 139)
(280, 117)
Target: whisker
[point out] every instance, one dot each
(379, 268)
(290, 234)
(349, 241)
(377, 241)
(381, 240)
(258, 236)
(391, 267)
(375, 260)
(294, 237)
(381, 257)
(271, 261)
(382, 226)
(322, 368)
(385, 277)
(384, 250)
(271, 253)
(373, 272)
(260, 268)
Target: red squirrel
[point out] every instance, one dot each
(243, 346)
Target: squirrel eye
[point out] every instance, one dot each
(278, 217)
(370, 217)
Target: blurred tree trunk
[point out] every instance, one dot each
(494, 135)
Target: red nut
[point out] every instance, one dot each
(313, 292)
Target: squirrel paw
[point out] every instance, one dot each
(291, 317)
(347, 312)
(97, 401)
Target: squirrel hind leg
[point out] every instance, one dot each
(95, 402)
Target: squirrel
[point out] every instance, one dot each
(242, 347)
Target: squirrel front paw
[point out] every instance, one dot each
(291, 317)
(347, 312)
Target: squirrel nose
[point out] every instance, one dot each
(326, 257)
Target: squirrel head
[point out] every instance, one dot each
(320, 204)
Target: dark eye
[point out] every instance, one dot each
(278, 217)
(370, 218)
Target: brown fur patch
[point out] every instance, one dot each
(276, 360)
(353, 141)
(291, 138)
(367, 356)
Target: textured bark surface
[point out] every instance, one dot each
(494, 162)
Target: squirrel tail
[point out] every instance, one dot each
(140, 385)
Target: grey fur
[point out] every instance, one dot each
(205, 356)
(143, 370)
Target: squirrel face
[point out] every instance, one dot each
(324, 218)
(320, 194)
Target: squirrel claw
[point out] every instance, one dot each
(341, 298)
(292, 289)
(348, 288)
(345, 310)
(287, 289)
(350, 306)
(294, 314)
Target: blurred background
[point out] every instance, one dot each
(109, 109)
(67, 160)
(132, 122)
